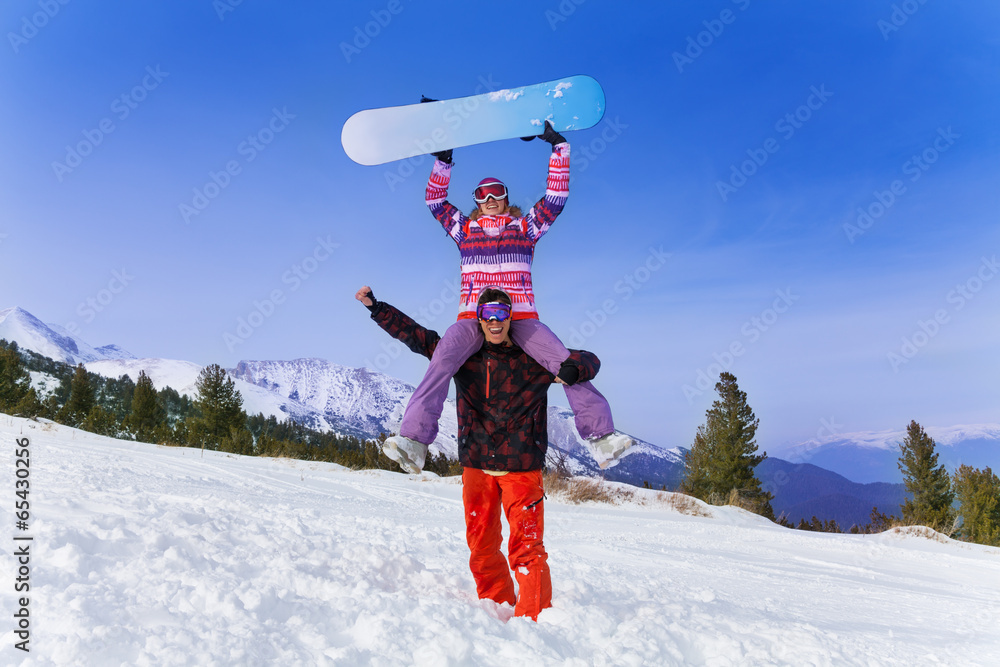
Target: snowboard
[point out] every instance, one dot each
(377, 136)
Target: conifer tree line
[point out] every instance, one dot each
(719, 464)
(719, 469)
(965, 505)
(215, 420)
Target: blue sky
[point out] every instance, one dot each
(714, 222)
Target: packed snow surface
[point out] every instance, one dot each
(146, 555)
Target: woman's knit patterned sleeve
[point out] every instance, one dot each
(452, 219)
(544, 213)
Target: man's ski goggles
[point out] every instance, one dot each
(493, 311)
(495, 190)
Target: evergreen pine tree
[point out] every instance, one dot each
(723, 457)
(698, 461)
(879, 522)
(116, 396)
(147, 414)
(14, 379)
(101, 421)
(29, 405)
(220, 405)
(81, 398)
(978, 493)
(929, 483)
(239, 441)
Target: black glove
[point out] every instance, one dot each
(371, 295)
(568, 372)
(444, 156)
(550, 135)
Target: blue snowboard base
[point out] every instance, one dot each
(377, 136)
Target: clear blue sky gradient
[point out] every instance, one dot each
(828, 322)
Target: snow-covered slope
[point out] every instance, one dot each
(51, 340)
(155, 555)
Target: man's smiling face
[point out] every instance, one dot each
(496, 332)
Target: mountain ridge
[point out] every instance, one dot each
(836, 477)
(52, 340)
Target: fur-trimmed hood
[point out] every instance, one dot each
(514, 212)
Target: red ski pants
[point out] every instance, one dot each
(519, 495)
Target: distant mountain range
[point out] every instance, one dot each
(366, 403)
(804, 491)
(840, 477)
(329, 397)
(873, 456)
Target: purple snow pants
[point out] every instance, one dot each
(461, 340)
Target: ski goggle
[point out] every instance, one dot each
(493, 311)
(483, 193)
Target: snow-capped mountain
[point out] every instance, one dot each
(51, 340)
(363, 403)
(352, 400)
(182, 376)
(872, 456)
(329, 397)
(644, 462)
(366, 403)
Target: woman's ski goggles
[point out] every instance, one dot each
(483, 193)
(493, 311)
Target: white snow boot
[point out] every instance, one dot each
(607, 450)
(409, 454)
